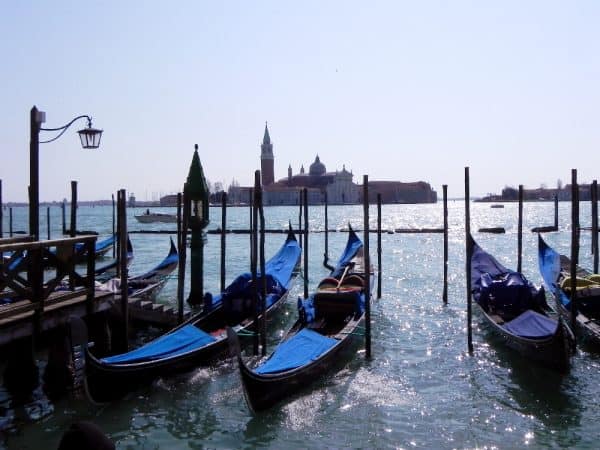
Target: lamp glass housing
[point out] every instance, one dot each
(90, 137)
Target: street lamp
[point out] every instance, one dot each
(196, 191)
(90, 138)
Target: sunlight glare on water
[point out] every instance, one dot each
(421, 389)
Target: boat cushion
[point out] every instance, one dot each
(299, 350)
(169, 345)
(532, 325)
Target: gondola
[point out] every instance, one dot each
(199, 339)
(101, 248)
(327, 324)
(109, 270)
(518, 312)
(147, 285)
(555, 270)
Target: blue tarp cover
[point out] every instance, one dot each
(549, 264)
(172, 344)
(498, 289)
(532, 325)
(352, 246)
(282, 264)
(297, 351)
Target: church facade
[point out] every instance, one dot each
(335, 187)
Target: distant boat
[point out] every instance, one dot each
(152, 217)
(497, 205)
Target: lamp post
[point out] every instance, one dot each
(90, 138)
(196, 190)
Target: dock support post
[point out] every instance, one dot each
(520, 232)
(469, 249)
(445, 291)
(574, 246)
(10, 222)
(223, 236)
(305, 247)
(73, 231)
(367, 267)
(595, 224)
(378, 245)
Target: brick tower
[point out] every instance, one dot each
(266, 159)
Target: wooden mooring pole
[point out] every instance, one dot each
(520, 232)
(300, 202)
(254, 257)
(183, 214)
(595, 224)
(326, 253)
(180, 277)
(367, 266)
(122, 225)
(574, 246)
(305, 246)
(73, 231)
(445, 291)
(10, 222)
(263, 278)
(556, 213)
(113, 223)
(468, 252)
(1, 213)
(378, 245)
(63, 208)
(223, 236)
(48, 221)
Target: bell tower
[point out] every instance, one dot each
(266, 159)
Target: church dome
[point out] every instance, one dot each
(317, 168)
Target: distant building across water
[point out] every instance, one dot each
(337, 185)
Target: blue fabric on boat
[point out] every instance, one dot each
(498, 289)
(299, 350)
(306, 309)
(352, 246)
(171, 259)
(549, 265)
(532, 325)
(281, 266)
(169, 345)
(100, 245)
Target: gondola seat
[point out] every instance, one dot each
(337, 305)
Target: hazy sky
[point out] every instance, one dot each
(398, 90)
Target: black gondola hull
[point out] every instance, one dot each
(264, 391)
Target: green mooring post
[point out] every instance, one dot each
(197, 192)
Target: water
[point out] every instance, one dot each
(420, 390)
